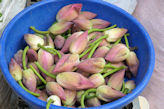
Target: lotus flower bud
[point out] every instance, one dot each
(56, 57)
(36, 68)
(33, 40)
(108, 94)
(115, 81)
(79, 94)
(130, 85)
(97, 80)
(79, 44)
(32, 55)
(84, 24)
(75, 28)
(54, 88)
(69, 12)
(43, 96)
(60, 27)
(69, 41)
(45, 59)
(29, 79)
(101, 52)
(92, 65)
(70, 97)
(49, 42)
(59, 41)
(117, 53)
(115, 34)
(93, 102)
(99, 23)
(104, 42)
(73, 81)
(56, 100)
(87, 15)
(133, 63)
(66, 63)
(18, 58)
(15, 70)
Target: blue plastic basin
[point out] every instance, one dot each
(42, 15)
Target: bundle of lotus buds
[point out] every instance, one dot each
(81, 61)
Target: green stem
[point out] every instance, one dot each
(37, 31)
(110, 66)
(49, 103)
(101, 30)
(114, 70)
(56, 51)
(104, 70)
(126, 91)
(40, 77)
(32, 93)
(0, 14)
(90, 96)
(24, 57)
(46, 49)
(126, 40)
(93, 49)
(40, 35)
(85, 52)
(99, 39)
(44, 71)
(83, 96)
(41, 87)
(123, 87)
(118, 41)
(93, 37)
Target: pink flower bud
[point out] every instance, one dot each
(79, 44)
(66, 63)
(133, 63)
(93, 102)
(60, 27)
(101, 52)
(49, 42)
(54, 88)
(84, 24)
(117, 53)
(36, 68)
(97, 80)
(45, 59)
(69, 40)
(99, 23)
(43, 96)
(108, 94)
(73, 81)
(59, 41)
(15, 70)
(87, 15)
(115, 81)
(32, 55)
(130, 85)
(69, 12)
(18, 58)
(29, 80)
(70, 97)
(115, 34)
(33, 41)
(92, 65)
